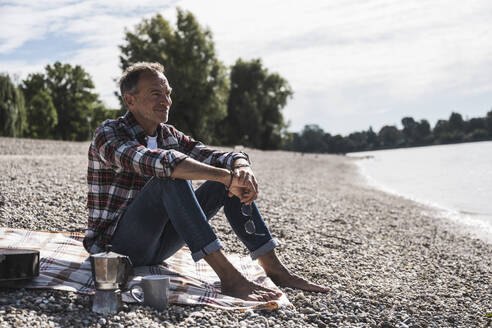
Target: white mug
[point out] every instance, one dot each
(155, 291)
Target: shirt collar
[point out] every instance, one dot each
(137, 130)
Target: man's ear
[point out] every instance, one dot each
(129, 99)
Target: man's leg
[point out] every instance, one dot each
(282, 277)
(262, 247)
(259, 243)
(165, 213)
(161, 219)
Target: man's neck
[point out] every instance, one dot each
(149, 127)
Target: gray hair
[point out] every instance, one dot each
(131, 75)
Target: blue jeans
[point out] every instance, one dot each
(167, 214)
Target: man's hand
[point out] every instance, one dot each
(245, 187)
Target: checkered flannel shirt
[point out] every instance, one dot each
(120, 164)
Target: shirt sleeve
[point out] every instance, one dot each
(200, 152)
(124, 154)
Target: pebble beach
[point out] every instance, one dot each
(390, 262)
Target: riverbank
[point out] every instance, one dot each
(389, 264)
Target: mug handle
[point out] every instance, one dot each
(135, 297)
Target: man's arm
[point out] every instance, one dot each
(200, 152)
(191, 169)
(242, 169)
(121, 153)
(204, 154)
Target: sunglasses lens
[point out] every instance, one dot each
(249, 226)
(246, 210)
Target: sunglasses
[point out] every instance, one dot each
(249, 226)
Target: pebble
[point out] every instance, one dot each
(366, 245)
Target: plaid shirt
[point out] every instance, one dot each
(120, 164)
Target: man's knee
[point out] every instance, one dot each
(217, 186)
(168, 183)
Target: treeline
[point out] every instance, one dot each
(219, 105)
(313, 139)
(216, 104)
(56, 104)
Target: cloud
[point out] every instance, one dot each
(96, 26)
(342, 58)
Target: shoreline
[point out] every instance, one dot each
(472, 223)
(389, 263)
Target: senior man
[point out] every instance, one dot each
(141, 200)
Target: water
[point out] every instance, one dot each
(457, 179)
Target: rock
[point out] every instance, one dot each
(300, 296)
(307, 310)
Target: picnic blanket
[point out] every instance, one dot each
(64, 265)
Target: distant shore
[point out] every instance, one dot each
(389, 263)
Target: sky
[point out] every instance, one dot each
(351, 64)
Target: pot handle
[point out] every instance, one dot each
(135, 297)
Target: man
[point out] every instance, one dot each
(142, 203)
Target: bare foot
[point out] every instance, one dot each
(281, 276)
(244, 289)
(287, 279)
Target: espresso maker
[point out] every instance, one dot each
(110, 272)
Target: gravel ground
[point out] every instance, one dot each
(390, 261)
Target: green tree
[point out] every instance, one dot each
(476, 123)
(409, 130)
(198, 78)
(389, 136)
(488, 123)
(254, 116)
(32, 85)
(372, 139)
(456, 122)
(423, 133)
(339, 144)
(101, 113)
(313, 139)
(71, 90)
(358, 141)
(12, 109)
(41, 115)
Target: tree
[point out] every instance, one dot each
(389, 136)
(41, 112)
(338, 144)
(423, 133)
(475, 124)
(12, 109)
(69, 90)
(441, 127)
(358, 141)
(409, 129)
(313, 139)
(372, 139)
(456, 122)
(41, 115)
(488, 123)
(198, 78)
(256, 98)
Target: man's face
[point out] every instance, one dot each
(152, 100)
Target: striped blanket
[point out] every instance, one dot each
(64, 265)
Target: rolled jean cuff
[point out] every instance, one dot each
(210, 248)
(265, 248)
